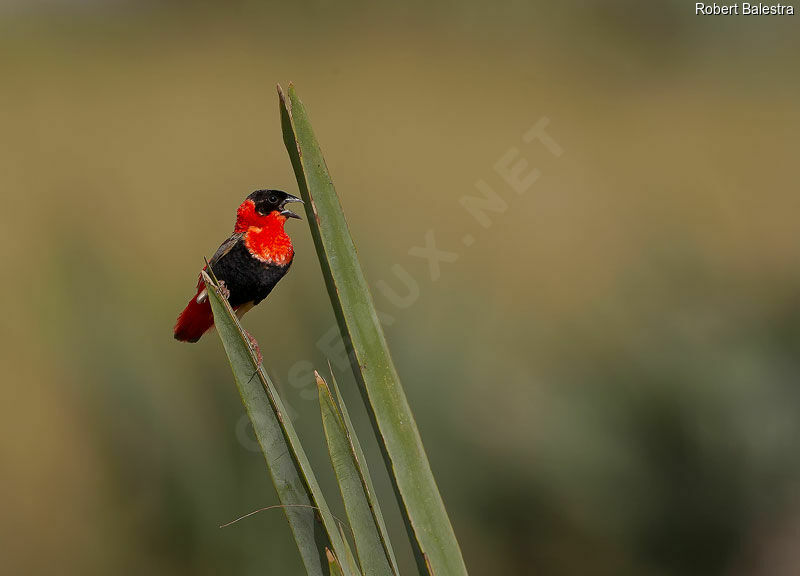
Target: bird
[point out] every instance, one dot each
(247, 265)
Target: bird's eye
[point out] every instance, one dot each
(273, 199)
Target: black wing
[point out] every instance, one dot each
(226, 247)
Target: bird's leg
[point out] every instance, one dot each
(254, 347)
(224, 289)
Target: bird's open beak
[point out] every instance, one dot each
(289, 213)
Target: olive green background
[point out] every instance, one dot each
(606, 380)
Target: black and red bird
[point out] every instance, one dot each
(249, 263)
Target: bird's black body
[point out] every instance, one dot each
(248, 279)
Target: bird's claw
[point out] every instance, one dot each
(224, 289)
(254, 347)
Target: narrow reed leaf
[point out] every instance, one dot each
(372, 542)
(420, 501)
(314, 527)
(366, 479)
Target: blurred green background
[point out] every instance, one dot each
(606, 380)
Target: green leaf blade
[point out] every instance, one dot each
(312, 524)
(434, 540)
(366, 479)
(372, 542)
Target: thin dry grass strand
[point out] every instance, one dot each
(274, 506)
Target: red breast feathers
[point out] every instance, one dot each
(264, 236)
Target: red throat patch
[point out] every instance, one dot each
(264, 236)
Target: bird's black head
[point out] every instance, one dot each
(267, 201)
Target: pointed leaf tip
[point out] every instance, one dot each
(333, 564)
(421, 503)
(372, 545)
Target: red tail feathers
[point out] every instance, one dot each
(196, 318)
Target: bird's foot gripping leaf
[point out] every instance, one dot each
(254, 347)
(227, 293)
